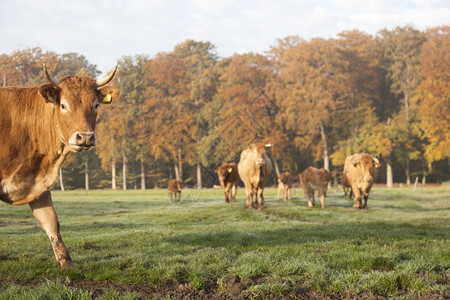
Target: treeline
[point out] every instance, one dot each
(183, 113)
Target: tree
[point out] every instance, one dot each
(168, 123)
(310, 83)
(433, 94)
(199, 59)
(401, 54)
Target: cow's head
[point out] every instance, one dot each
(76, 100)
(258, 152)
(301, 177)
(367, 164)
(223, 172)
(179, 185)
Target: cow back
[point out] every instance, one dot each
(316, 178)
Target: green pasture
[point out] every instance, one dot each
(399, 247)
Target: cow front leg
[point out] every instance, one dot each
(322, 200)
(366, 196)
(45, 213)
(260, 199)
(357, 198)
(233, 193)
(311, 201)
(249, 193)
(227, 194)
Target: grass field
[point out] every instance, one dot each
(137, 244)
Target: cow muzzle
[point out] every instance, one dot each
(260, 162)
(82, 140)
(368, 178)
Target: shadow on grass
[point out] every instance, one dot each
(307, 233)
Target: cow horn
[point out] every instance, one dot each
(50, 79)
(107, 78)
(376, 160)
(268, 145)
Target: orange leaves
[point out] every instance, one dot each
(434, 94)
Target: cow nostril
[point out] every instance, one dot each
(92, 139)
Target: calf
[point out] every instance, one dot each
(285, 182)
(313, 179)
(228, 176)
(255, 168)
(174, 188)
(360, 172)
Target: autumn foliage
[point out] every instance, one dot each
(185, 112)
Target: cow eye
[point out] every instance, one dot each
(63, 106)
(97, 106)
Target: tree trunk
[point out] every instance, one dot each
(142, 176)
(407, 172)
(326, 159)
(124, 173)
(113, 175)
(177, 172)
(389, 174)
(275, 166)
(86, 175)
(61, 183)
(424, 179)
(180, 165)
(199, 176)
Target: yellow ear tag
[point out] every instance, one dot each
(107, 98)
(49, 97)
(229, 170)
(377, 165)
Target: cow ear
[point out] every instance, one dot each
(376, 163)
(356, 163)
(50, 93)
(107, 94)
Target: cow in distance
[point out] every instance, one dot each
(312, 180)
(285, 182)
(360, 172)
(228, 176)
(255, 168)
(174, 189)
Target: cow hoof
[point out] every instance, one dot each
(67, 264)
(260, 208)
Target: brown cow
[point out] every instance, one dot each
(175, 189)
(313, 179)
(255, 168)
(228, 176)
(39, 127)
(285, 182)
(360, 172)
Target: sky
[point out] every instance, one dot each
(106, 30)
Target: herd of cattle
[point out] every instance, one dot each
(40, 126)
(255, 168)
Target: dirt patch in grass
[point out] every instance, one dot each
(232, 287)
